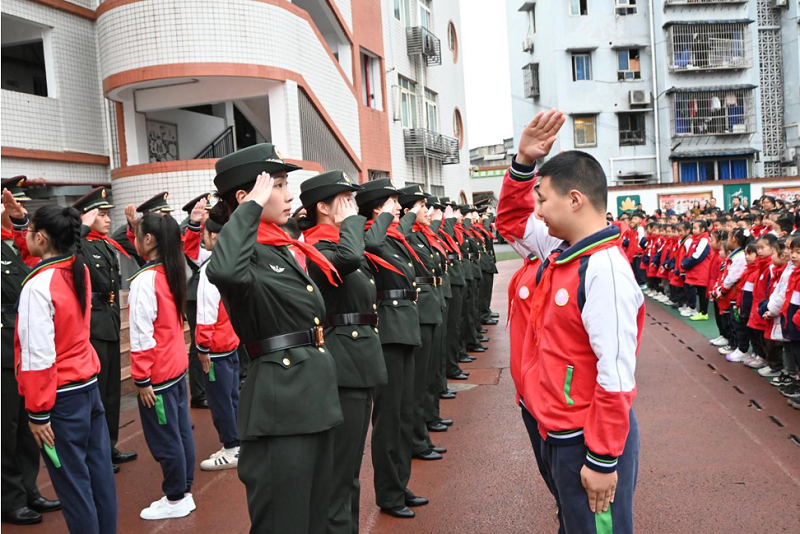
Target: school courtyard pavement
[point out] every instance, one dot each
(720, 452)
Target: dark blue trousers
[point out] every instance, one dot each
(85, 481)
(222, 394)
(170, 440)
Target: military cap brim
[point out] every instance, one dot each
(93, 200)
(325, 186)
(240, 169)
(155, 204)
(379, 189)
(189, 206)
(16, 186)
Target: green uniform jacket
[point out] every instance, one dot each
(398, 319)
(101, 258)
(267, 294)
(14, 272)
(356, 349)
(490, 248)
(120, 235)
(431, 299)
(474, 248)
(455, 268)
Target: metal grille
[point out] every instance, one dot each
(632, 137)
(420, 41)
(422, 143)
(530, 73)
(771, 84)
(319, 143)
(701, 2)
(219, 147)
(709, 47)
(721, 112)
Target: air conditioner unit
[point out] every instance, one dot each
(788, 155)
(639, 97)
(527, 45)
(790, 171)
(430, 45)
(780, 3)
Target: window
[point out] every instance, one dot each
(578, 7)
(629, 67)
(371, 86)
(402, 12)
(452, 40)
(717, 112)
(408, 103)
(425, 14)
(532, 20)
(530, 74)
(431, 110)
(585, 131)
(713, 46)
(631, 129)
(625, 7)
(581, 67)
(710, 169)
(458, 127)
(27, 65)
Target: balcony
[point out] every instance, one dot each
(530, 74)
(422, 143)
(713, 111)
(701, 2)
(420, 41)
(709, 46)
(632, 137)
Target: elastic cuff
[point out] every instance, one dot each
(19, 224)
(40, 418)
(143, 383)
(194, 227)
(521, 172)
(204, 350)
(600, 462)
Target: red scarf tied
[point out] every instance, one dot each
(7, 234)
(431, 237)
(97, 236)
(270, 234)
(450, 243)
(459, 231)
(394, 233)
(326, 232)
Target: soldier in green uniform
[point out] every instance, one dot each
(101, 259)
(471, 322)
(289, 403)
(393, 416)
(488, 266)
(125, 236)
(196, 387)
(333, 226)
(460, 275)
(22, 504)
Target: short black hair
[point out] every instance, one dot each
(578, 170)
(786, 224)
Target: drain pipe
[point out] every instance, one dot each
(655, 90)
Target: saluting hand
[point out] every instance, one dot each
(43, 434)
(89, 217)
(388, 206)
(198, 212)
(448, 212)
(343, 208)
(436, 214)
(147, 396)
(417, 206)
(600, 488)
(539, 135)
(130, 215)
(262, 190)
(12, 206)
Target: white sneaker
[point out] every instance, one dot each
(737, 356)
(719, 342)
(683, 309)
(221, 459)
(727, 349)
(662, 298)
(668, 302)
(713, 341)
(163, 509)
(189, 496)
(688, 312)
(769, 372)
(756, 362)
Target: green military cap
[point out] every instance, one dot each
(409, 195)
(467, 208)
(240, 169)
(324, 186)
(157, 203)
(16, 186)
(190, 205)
(97, 198)
(436, 203)
(379, 189)
(482, 209)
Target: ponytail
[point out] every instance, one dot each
(167, 234)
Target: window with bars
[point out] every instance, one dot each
(581, 67)
(714, 169)
(632, 129)
(718, 112)
(585, 127)
(701, 2)
(530, 74)
(432, 110)
(716, 46)
(629, 66)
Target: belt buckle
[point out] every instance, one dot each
(320, 336)
(111, 298)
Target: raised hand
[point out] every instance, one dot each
(343, 208)
(198, 212)
(448, 212)
(130, 215)
(436, 214)
(89, 217)
(417, 206)
(539, 135)
(388, 206)
(12, 206)
(262, 190)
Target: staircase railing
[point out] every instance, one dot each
(219, 147)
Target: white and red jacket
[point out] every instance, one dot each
(52, 350)
(158, 347)
(587, 317)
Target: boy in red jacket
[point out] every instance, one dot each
(580, 357)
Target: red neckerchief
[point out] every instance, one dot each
(270, 234)
(794, 278)
(326, 232)
(459, 230)
(474, 233)
(430, 236)
(450, 243)
(7, 234)
(97, 236)
(394, 233)
(484, 231)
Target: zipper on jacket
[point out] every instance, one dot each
(568, 385)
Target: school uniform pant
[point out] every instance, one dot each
(393, 427)
(677, 295)
(641, 276)
(723, 323)
(288, 482)
(698, 294)
(222, 392)
(168, 433)
(109, 383)
(532, 427)
(422, 358)
(470, 322)
(741, 333)
(757, 341)
(85, 481)
(563, 464)
(348, 449)
(454, 321)
(196, 380)
(20, 455)
(773, 353)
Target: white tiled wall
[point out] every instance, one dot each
(55, 171)
(346, 9)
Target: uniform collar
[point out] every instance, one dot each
(48, 263)
(146, 267)
(570, 252)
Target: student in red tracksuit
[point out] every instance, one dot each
(740, 310)
(159, 361)
(587, 316)
(57, 371)
(696, 264)
(765, 247)
(716, 271)
(216, 343)
(676, 279)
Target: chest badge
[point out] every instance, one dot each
(6, 263)
(277, 269)
(562, 297)
(420, 245)
(524, 292)
(95, 256)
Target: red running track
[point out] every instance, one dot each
(717, 454)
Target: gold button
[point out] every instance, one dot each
(410, 264)
(431, 255)
(394, 302)
(374, 306)
(97, 265)
(371, 281)
(434, 270)
(419, 289)
(316, 320)
(8, 272)
(321, 349)
(355, 334)
(414, 284)
(376, 330)
(310, 288)
(286, 362)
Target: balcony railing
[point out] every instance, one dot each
(632, 137)
(701, 2)
(714, 46)
(713, 112)
(219, 147)
(420, 41)
(530, 73)
(422, 143)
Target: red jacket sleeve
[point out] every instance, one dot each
(191, 242)
(515, 206)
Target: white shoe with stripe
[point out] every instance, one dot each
(221, 459)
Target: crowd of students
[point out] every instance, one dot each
(743, 262)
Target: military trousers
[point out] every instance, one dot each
(288, 482)
(20, 455)
(487, 285)
(469, 319)
(349, 439)
(109, 381)
(454, 321)
(393, 427)
(197, 386)
(437, 382)
(422, 359)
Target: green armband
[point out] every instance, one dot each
(160, 413)
(51, 453)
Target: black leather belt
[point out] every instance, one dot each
(401, 294)
(11, 308)
(105, 297)
(352, 318)
(452, 257)
(313, 336)
(427, 280)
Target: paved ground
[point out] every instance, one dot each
(717, 453)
